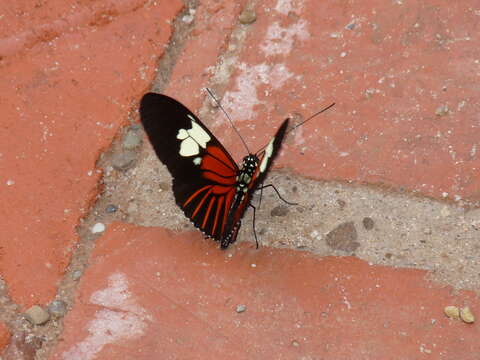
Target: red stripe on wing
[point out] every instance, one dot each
(224, 164)
(219, 208)
(207, 214)
(200, 204)
(194, 195)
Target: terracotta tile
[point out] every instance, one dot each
(151, 293)
(63, 100)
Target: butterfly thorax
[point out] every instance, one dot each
(245, 174)
(244, 179)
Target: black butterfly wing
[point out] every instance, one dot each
(204, 174)
(268, 154)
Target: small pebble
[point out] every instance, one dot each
(368, 223)
(452, 312)
(132, 140)
(350, 26)
(466, 315)
(241, 308)
(37, 315)
(110, 209)
(188, 19)
(124, 160)
(343, 237)
(98, 228)
(280, 210)
(295, 343)
(57, 308)
(442, 110)
(77, 274)
(247, 17)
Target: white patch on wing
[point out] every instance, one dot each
(268, 155)
(182, 134)
(199, 135)
(192, 139)
(189, 147)
(197, 161)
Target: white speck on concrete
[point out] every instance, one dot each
(188, 19)
(120, 319)
(98, 228)
(241, 308)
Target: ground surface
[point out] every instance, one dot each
(386, 233)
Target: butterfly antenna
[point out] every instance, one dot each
(311, 117)
(303, 122)
(228, 117)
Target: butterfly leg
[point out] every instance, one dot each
(253, 222)
(261, 194)
(278, 193)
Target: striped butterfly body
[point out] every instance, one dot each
(210, 188)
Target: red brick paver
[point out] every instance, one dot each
(180, 301)
(62, 102)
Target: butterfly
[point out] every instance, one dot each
(211, 189)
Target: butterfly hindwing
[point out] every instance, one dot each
(270, 152)
(203, 171)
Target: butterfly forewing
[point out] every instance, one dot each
(203, 171)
